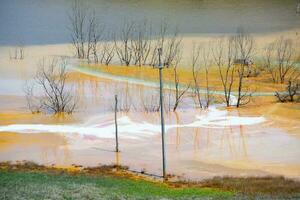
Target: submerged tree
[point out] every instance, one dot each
(179, 92)
(141, 42)
(244, 46)
(223, 55)
(123, 45)
(49, 92)
(78, 20)
(278, 59)
(291, 94)
(85, 31)
(195, 73)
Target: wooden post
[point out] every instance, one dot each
(116, 123)
(162, 113)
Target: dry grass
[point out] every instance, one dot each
(255, 185)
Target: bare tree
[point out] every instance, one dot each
(123, 47)
(33, 102)
(78, 20)
(49, 87)
(268, 56)
(18, 52)
(223, 55)
(206, 65)
(284, 54)
(172, 49)
(170, 45)
(292, 90)
(141, 43)
(21, 51)
(108, 52)
(196, 72)
(244, 45)
(178, 91)
(95, 34)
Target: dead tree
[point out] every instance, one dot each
(159, 43)
(178, 91)
(279, 60)
(284, 55)
(21, 52)
(223, 55)
(195, 73)
(141, 43)
(50, 85)
(123, 46)
(18, 53)
(292, 90)
(78, 20)
(108, 53)
(95, 34)
(206, 65)
(172, 49)
(268, 56)
(33, 102)
(244, 45)
(170, 45)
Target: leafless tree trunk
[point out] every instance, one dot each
(223, 55)
(195, 72)
(50, 80)
(292, 90)
(268, 56)
(178, 91)
(206, 64)
(18, 53)
(172, 49)
(95, 34)
(171, 46)
(123, 47)
(141, 43)
(21, 51)
(244, 45)
(108, 52)
(284, 53)
(78, 17)
(33, 102)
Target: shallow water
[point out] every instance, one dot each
(44, 22)
(200, 144)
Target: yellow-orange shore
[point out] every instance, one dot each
(261, 83)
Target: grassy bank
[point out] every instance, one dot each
(46, 185)
(31, 181)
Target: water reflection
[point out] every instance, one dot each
(210, 142)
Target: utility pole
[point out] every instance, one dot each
(116, 122)
(160, 67)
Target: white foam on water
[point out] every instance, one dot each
(212, 118)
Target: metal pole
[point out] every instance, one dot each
(116, 123)
(162, 113)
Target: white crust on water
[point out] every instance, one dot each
(212, 118)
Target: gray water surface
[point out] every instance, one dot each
(46, 21)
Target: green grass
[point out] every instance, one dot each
(43, 185)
